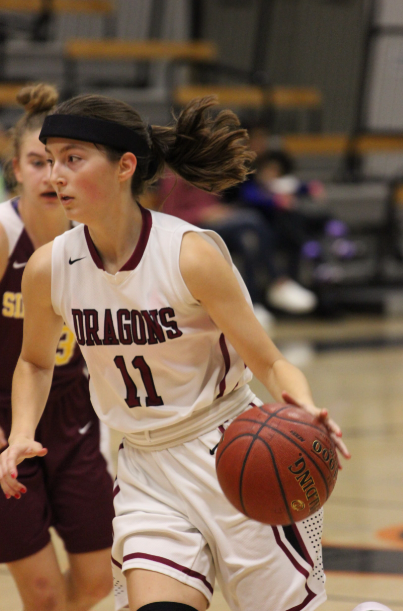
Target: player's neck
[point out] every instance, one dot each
(115, 236)
(44, 227)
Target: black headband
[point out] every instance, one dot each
(98, 131)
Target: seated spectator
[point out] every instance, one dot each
(281, 197)
(246, 233)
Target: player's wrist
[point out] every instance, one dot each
(20, 437)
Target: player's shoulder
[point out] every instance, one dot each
(9, 216)
(40, 262)
(70, 238)
(198, 253)
(167, 223)
(10, 220)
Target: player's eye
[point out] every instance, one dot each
(38, 164)
(49, 162)
(74, 158)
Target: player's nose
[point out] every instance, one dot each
(56, 176)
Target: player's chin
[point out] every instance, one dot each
(73, 213)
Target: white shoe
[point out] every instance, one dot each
(263, 315)
(291, 297)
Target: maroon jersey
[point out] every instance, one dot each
(69, 361)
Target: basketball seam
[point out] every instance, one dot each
(278, 479)
(254, 438)
(284, 418)
(306, 454)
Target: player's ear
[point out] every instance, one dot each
(17, 169)
(127, 166)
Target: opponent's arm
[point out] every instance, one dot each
(212, 282)
(3, 267)
(34, 371)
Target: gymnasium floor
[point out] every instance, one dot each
(355, 367)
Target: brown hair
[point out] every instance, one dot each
(38, 100)
(210, 151)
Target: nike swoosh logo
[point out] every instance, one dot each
(71, 261)
(19, 265)
(85, 428)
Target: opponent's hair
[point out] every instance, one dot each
(38, 100)
(207, 149)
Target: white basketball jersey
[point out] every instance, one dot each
(154, 355)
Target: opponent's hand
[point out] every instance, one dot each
(322, 415)
(20, 449)
(3, 440)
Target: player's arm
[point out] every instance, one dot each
(3, 267)
(34, 371)
(212, 282)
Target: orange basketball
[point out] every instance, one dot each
(277, 464)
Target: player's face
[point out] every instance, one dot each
(85, 181)
(33, 174)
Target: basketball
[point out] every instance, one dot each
(276, 464)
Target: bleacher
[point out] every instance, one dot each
(149, 59)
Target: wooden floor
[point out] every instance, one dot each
(355, 367)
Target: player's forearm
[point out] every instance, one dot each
(30, 391)
(283, 376)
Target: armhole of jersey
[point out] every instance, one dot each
(176, 243)
(57, 275)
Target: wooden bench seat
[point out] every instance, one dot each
(268, 103)
(252, 96)
(307, 145)
(58, 6)
(8, 93)
(245, 96)
(141, 50)
(338, 144)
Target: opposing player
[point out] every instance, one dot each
(166, 326)
(68, 488)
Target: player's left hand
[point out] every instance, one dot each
(322, 415)
(3, 440)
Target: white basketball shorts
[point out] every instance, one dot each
(172, 518)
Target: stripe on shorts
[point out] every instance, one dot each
(167, 562)
(305, 553)
(310, 595)
(294, 538)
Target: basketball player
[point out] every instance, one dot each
(54, 491)
(166, 326)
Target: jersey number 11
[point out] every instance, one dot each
(132, 398)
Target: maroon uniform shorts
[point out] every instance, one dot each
(69, 488)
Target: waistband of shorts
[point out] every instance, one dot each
(199, 423)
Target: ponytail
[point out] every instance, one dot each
(209, 151)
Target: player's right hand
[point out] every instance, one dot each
(19, 449)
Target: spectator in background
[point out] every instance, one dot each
(246, 233)
(281, 197)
